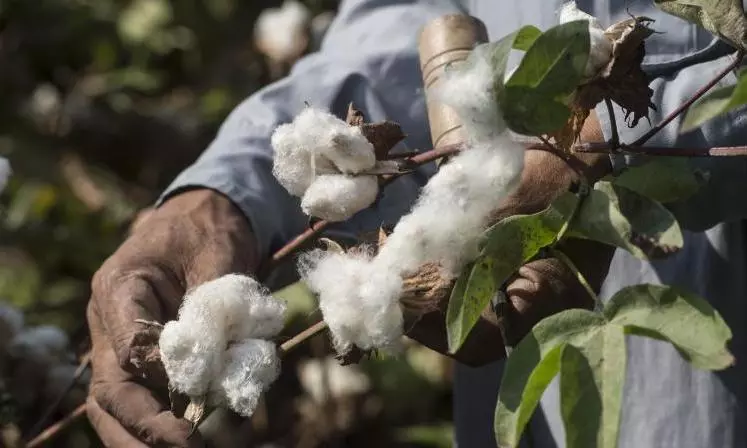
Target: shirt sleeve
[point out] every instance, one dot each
(369, 57)
(721, 198)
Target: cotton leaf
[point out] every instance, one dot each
(689, 322)
(507, 245)
(535, 98)
(515, 403)
(724, 18)
(617, 216)
(663, 179)
(592, 376)
(717, 102)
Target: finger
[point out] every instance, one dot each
(112, 434)
(122, 300)
(140, 413)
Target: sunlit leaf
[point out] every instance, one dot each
(535, 98)
(689, 322)
(715, 103)
(724, 18)
(663, 179)
(506, 246)
(620, 217)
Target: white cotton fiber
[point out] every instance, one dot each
(359, 303)
(311, 156)
(251, 367)
(225, 310)
(600, 50)
(359, 294)
(337, 197)
(468, 90)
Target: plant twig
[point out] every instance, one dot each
(579, 276)
(39, 425)
(301, 337)
(686, 105)
(53, 430)
(659, 151)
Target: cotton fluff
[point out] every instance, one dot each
(359, 294)
(600, 50)
(336, 197)
(213, 315)
(359, 303)
(312, 156)
(251, 366)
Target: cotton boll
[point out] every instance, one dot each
(341, 381)
(292, 165)
(238, 304)
(251, 367)
(359, 302)
(190, 360)
(600, 50)
(5, 172)
(46, 344)
(333, 139)
(337, 197)
(280, 33)
(11, 323)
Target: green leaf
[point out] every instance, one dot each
(591, 384)
(715, 103)
(534, 100)
(663, 179)
(689, 322)
(620, 217)
(464, 311)
(525, 37)
(527, 367)
(724, 18)
(506, 246)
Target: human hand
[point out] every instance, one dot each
(192, 238)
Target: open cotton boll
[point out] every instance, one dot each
(45, 344)
(251, 367)
(600, 49)
(190, 357)
(5, 172)
(318, 143)
(360, 303)
(281, 33)
(230, 308)
(337, 197)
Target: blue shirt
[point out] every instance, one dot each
(369, 56)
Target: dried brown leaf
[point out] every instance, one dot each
(383, 135)
(622, 81)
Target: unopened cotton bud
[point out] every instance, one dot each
(251, 367)
(600, 46)
(336, 197)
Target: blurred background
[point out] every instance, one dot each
(102, 103)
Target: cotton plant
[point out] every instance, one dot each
(359, 291)
(318, 157)
(218, 349)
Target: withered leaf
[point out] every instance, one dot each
(622, 80)
(195, 411)
(383, 135)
